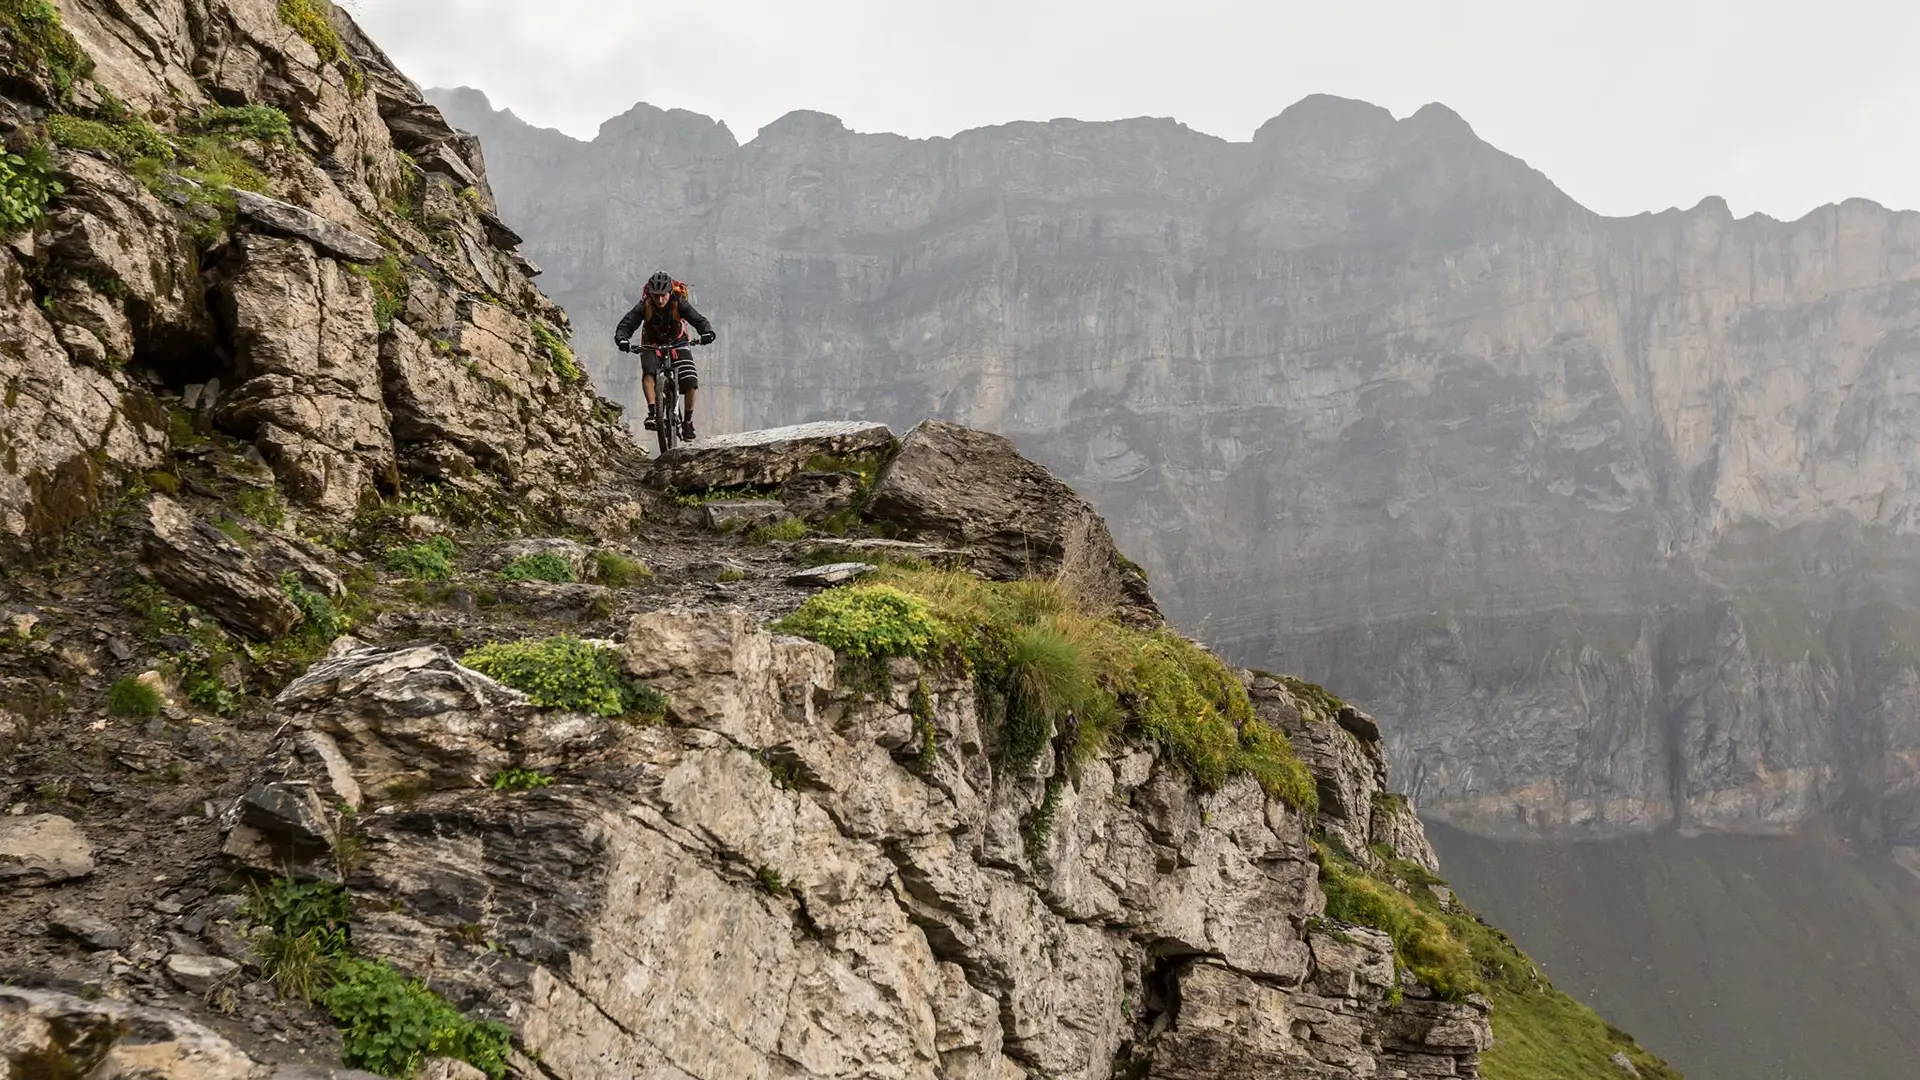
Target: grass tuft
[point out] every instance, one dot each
(132, 697)
(615, 570)
(785, 529)
(559, 356)
(520, 780)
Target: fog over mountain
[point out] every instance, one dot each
(1617, 514)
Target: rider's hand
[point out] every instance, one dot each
(706, 338)
(624, 346)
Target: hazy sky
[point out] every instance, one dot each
(1628, 105)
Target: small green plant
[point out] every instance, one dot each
(430, 560)
(391, 1024)
(1037, 827)
(732, 574)
(785, 529)
(237, 533)
(615, 570)
(319, 617)
(27, 185)
(261, 123)
(390, 290)
(559, 355)
(542, 566)
(517, 779)
(567, 673)
(263, 505)
(868, 622)
(771, 882)
(132, 697)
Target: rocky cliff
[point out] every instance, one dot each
(371, 706)
(1616, 514)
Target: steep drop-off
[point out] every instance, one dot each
(1618, 514)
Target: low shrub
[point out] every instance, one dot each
(391, 1024)
(131, 697)
(785, 529)
(568, 673)
(319, 618)
(262, 123)
(131, 140)
(544, 566)
(869, 622)
(27, 185)
(430, 560)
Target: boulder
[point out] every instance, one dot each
(817, 496)
(202, 565)
(416, 717)
(329, 236)
(962, 488)
(43, 849)
(43, 1033)
(766, 458)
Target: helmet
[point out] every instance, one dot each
(660, 284)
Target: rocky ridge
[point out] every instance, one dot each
(370, 703)
(1616, 514)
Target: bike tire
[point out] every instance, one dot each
(669, 422)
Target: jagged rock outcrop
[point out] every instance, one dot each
(360, 319)
(1618, 513)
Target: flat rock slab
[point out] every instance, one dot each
(831, 574)
(89, 930)
(202, 565)
(199, 974)
(765, 458)
(734, 515)
(43, 849)
(38, 1027)
(287, 219)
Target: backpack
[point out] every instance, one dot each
(681, 292)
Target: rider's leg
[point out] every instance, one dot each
(646, 388)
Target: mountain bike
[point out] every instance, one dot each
(666, 392)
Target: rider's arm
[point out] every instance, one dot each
(699, 321)
(624, 332)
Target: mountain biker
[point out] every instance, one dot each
(663, 305)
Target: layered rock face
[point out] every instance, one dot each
(1617, 514)
(258, 226)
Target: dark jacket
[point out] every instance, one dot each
(659, 328)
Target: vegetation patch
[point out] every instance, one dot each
(263, 505)
(390, 1024)
(559, 355)
(430, 560)
(308, 18)
(543, 566)
(319, 618)
(37, 41)
(1053, 673)
(785, 529)
(567, 673)
(131, 140)
(520, 780)
(617, 571)
(131, 697)
(263, 124)
(27, 185)
(390, 288)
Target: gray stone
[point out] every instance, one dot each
(43, 849)
(287, 812)
(202, 565)
(89, 930)
(115, 1038)
(830, 574)
(737, 515)
(817, 496)
(200, 974)
(329, 236)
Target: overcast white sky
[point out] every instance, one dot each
(1628, 105)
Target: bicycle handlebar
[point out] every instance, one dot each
(690, 343)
